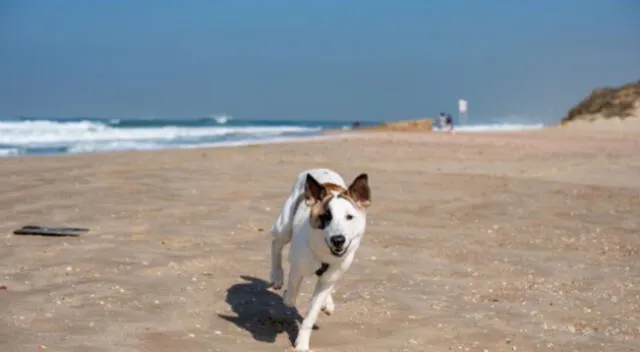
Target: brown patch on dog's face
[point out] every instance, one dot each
(320, 215)
(334, 188)
(317, 197)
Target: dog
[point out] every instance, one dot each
(324, 220)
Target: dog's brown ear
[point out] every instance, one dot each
(313, 191)
(359, 190)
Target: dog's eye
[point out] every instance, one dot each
(349, 217)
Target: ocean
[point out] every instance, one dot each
(51, 136)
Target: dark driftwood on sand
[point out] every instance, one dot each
(50, 231)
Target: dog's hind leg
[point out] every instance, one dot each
(277, 273)
(293, 287)
(282, 233)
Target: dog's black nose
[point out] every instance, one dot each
(338, 241)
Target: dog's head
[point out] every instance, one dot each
(339, 213)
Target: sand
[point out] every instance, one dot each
(476, 242)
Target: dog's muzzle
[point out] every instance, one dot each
(338, 245)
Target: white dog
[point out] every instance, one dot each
(324, 220)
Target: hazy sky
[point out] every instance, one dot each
(367, 59)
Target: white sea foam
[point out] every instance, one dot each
(43, 133)
(222, 119)
(9, 151)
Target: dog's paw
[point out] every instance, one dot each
(277, 279)
(328, 309)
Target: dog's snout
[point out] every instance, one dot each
(338, 241)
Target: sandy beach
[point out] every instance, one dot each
(520, 241)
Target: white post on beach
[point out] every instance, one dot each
(462, 111)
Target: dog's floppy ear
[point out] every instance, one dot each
(313, 191)
(359, 190)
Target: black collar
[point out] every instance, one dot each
(323, 269)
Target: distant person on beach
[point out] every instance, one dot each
(449, 122)
(355, 124)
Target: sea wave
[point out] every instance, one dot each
(37, 136)
(30, 133)
(9, 151)
(221, 119)
(50, 136)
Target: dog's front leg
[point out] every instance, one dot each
(319, 299)
(328, 307)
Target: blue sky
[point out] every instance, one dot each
(366, 59)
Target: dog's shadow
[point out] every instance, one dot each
(261, 311)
